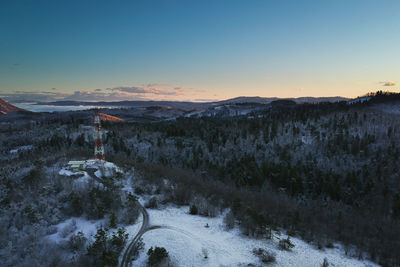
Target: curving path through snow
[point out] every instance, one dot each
(143, 229)
(129, 250)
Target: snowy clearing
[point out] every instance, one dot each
(185, 238)
(74, 225)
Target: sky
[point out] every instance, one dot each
(197, 50)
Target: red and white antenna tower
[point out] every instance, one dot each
(98, 140)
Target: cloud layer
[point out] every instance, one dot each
(152, 91)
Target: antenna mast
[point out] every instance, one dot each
(98, 140)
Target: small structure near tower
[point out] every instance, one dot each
(98, 140)
(77, 165)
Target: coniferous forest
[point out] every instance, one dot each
(326, 172)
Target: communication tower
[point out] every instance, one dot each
(98, 140)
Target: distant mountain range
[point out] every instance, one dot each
(6, 108)
(193, 105)
(172, 109)
(268, 100)
(131, 104)
(150, 111)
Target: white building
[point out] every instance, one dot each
(77, 165)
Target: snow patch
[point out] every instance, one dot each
(66, 172)
(82, 181)
(307, 140)
(359, 100)
(21, 148)
(102, 167)
(74, 225)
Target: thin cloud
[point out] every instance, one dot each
(19, 92)
(164, 90)
(154, 91)
(26, 96)
(160, 85)
(132, 89)
(388, 83)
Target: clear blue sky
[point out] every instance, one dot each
(193, 50)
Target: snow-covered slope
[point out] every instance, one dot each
(359, 100)
(227, 110)
(187, 239)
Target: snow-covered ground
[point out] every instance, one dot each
(359, 100)
(109, 168)
(226, 110)
(21, 148)
(82, 181)
(186, 238)
(307, 140)
(391, 108)
(103, 168)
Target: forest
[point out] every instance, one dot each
(326, 172)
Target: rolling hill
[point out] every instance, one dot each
(6, 108)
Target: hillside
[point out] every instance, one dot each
(336, 160)
(106, 117)
(185, 105)
(268, 100)
(6, 108)
(324, 174)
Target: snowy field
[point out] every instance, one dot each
(186, 239)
